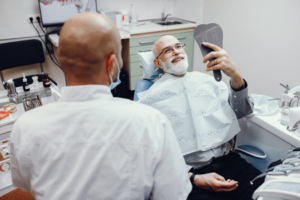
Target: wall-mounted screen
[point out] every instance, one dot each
(57, 12)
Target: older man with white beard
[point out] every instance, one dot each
(204, 114)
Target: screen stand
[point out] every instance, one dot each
(53, 30)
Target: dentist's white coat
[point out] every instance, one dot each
(90, 145)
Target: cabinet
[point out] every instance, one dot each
(255, 135)
(144, 44)
(5, 176)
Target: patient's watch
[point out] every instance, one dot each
(192, 178)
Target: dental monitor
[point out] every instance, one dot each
(57, 12)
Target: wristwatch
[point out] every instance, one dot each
(192, 178)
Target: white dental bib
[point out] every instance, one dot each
(197, 107)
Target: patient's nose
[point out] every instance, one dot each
(176, 51)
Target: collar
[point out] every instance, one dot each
(84, 93)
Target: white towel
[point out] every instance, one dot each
(197, 107)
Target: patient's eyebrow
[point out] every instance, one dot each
(169, 47)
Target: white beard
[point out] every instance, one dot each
(178, 68)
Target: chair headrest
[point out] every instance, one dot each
(151, 72)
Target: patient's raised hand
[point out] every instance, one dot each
(215, 182)
(223, 62)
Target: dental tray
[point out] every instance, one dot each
(32, 102)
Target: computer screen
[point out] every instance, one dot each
(57, 12)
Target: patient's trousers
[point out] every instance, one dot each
(231, 166)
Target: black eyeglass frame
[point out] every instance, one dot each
(183, 46)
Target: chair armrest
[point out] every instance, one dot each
(251, 151)
(141, 86)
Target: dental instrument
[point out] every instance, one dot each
(285, 188)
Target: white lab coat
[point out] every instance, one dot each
(90, 145)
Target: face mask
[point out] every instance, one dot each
(113, 85)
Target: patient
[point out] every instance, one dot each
(204, 114)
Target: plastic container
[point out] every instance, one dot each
(25, 84)
(119, 21)
(11, 108)
(46, 80)
(285, 116)
(125, 16)
(133, 15)
(35, 84)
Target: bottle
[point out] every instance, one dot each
(285, 114)
(125, 16)
(133, 15)
(35, 83)
(25, 84)
(46, 80)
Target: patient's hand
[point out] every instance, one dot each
(224, 63)
(215, 182)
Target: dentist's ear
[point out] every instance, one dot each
(157, 63)
(110, 62)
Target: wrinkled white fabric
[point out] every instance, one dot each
(90, 146)
(197, 107)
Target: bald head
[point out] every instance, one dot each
(88, 43)
(174, 59)
(164, 41)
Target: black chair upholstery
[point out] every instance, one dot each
(21, 53)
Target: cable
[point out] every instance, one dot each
(47, 43)
(31, 20)
(53, 31)
(38, 19)
(50, 46)
(50, 49)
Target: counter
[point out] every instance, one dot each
(54, 38)
(49, 95)
(13, 117)
(272, 124)
(147, 27)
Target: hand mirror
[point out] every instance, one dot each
(211, 33)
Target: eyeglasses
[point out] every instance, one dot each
(168, 50)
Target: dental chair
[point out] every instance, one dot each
(247, 150)
(20, 53)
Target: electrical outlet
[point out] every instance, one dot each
(34, 18)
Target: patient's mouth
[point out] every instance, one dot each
(178, 59)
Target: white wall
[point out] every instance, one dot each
(262, 37)
(146, 9)
(13, 13)
(14, 27)
(191, 10)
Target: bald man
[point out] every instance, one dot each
(204, 117)
(89, 145)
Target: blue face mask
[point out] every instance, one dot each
(113, 85)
